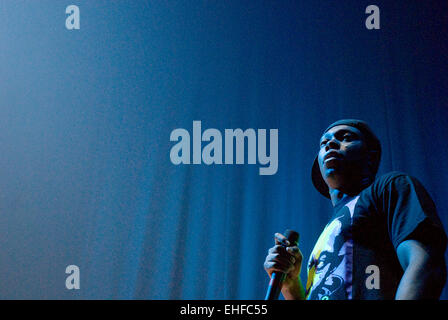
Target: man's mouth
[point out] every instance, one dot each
(332, 155)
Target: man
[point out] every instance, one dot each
(384, 239)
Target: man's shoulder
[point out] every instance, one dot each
(387, 179)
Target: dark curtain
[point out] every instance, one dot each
(86, 117)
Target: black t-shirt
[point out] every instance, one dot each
(355, 256)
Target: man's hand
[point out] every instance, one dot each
(287, 259)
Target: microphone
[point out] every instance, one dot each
(277, 278)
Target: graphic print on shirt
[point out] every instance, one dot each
(331, 262)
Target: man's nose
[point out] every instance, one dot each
(332, 144)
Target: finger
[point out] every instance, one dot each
(277, 249)
(295, 251)
(270, 271)
(281, 259)
(283, 267)
(272, 266)
(280, 239)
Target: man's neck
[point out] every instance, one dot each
(337, 195)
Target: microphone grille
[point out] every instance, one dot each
(292, 236)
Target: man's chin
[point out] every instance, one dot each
(331, 172)
(331, 177)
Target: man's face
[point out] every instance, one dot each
(342, 156)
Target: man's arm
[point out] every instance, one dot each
(293, 290)
(424, 271)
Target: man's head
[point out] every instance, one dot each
(348, 157)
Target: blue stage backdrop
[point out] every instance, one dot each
(86, 116)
